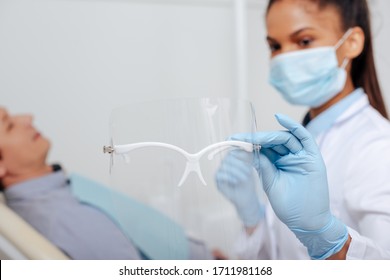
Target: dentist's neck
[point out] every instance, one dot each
(349, 88)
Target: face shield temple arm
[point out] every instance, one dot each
(217, 147)
(192, 164)
(221, 146)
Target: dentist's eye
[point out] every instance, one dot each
(305, 42)
(274, 47)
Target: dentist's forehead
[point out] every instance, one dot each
(308, 5)
(287, 16)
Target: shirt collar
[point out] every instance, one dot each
(36, 187)
(330, 116)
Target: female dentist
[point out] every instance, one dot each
(322, 57)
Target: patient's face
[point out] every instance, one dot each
(22, 147)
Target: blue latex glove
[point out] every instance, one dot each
(235, 177)
(297, 188)
(237, 180)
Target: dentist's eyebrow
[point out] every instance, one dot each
(292, 35)
(296, 33)
(268, 38)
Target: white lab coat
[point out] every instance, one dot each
(356, 151)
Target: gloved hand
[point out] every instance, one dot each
(235, 176)
(297, 188)
(237, 180)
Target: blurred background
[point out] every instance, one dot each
(70, 62)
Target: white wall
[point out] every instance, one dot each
(381, 29)
(70, 62)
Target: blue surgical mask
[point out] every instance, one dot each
(309, 77)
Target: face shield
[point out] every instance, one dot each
(164, 155)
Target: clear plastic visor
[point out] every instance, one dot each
(165, 155)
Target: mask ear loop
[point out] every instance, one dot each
(345, 63)
(342, 41)
(345, 37)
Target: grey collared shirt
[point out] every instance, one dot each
(79, 230)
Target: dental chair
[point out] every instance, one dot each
(20, 241)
